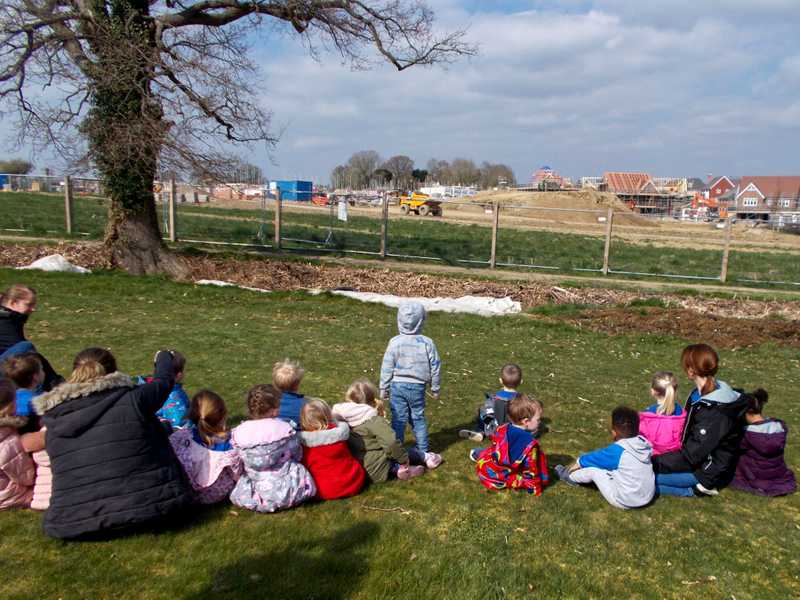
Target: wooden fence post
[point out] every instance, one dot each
(69, 215)
(385, 227)
(495, 227)
(607, 249)
(173, 199)
(723, 274)
(277, 219)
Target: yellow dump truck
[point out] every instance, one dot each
(420, 204)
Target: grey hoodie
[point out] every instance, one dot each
(411, 357)
(627, 463)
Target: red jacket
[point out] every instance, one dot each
(327, 457)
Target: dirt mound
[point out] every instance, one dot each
(719, 331)
(580, 200)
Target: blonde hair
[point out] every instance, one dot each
(316, 415)
(363, 392)
(261, 399)
(665, 385)
(208, 412)
(16, 292)
(92, 363)
(287, 375)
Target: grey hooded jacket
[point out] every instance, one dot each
(411, 357)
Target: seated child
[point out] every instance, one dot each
(622, 471)
(43, 486)
(662, 423)
(273, 478)
(173, 413)
(761, 468)
(286, 376)
(514, 460)
(17, 471)
(204, 449)
(493, 412)
(372, 441)
(326, 454)
(26, 371)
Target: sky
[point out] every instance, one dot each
(670, 87)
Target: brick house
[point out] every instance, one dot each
(720, 186)
(768, 197)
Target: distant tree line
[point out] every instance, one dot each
(15, 166)
(366, 169)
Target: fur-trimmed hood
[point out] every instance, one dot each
(325, 437)
(13, 421)
(70, 391)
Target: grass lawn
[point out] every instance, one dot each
(441, 535)
(452, 243)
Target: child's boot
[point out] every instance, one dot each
(432, 460)
(406, 472)
(468, 434)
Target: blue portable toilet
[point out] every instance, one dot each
(294, 189)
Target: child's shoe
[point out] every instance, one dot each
(432, 460)
(468, 434)
(475, 453)
(563, 475)
(702, 491)
(407, 472)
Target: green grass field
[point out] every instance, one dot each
(450, 243)
(442, 535)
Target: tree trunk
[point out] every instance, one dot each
(125, 128)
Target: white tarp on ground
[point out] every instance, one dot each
(475, 305)
(55, 262)
(229, 284)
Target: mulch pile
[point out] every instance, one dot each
(724, 322)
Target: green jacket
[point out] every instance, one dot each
(374, 444)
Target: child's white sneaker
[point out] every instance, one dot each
(432, 460)
(407, 471)
(468, 434)
(701, 490)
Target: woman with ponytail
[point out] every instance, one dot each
(112, 466)
(706, 460)
(204, 449)
(661, 423)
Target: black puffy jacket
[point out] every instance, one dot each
(113, 466)
(12, 332)
(711, 436)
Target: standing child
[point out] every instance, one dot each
(661, 423)
(326, 454)
(372, 441)
(622, 471)
(287, 376)
(204, 449)
(410, 363)
(514, 460)
(494, 410)
(173, 413)
(17, 471)
(273, 478)
(761, 468)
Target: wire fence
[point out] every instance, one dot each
(585, 241)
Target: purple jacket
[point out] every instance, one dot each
(761, 468)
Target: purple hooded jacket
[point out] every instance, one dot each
(761, 468)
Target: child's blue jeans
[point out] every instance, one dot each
(408, 406)
(676, 484)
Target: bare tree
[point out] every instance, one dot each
(361, 166)
(401, 167)
(15, 166)
(168, 82)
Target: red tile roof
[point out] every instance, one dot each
(777, 186)
(628, 183)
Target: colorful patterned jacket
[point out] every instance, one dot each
(497, 470)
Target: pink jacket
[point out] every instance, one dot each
(43, 487)
(662, 431)
(17, 471)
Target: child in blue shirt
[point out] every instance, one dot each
(172, 413)
(287, 376)
(494, 410)
(27, 373)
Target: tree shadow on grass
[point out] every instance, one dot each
(441, 440)
(557, 459)
(323, 567)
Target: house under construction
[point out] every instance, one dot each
(641, 192)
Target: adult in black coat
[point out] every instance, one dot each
(712, 432)
(18, 303)
(113, 466)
